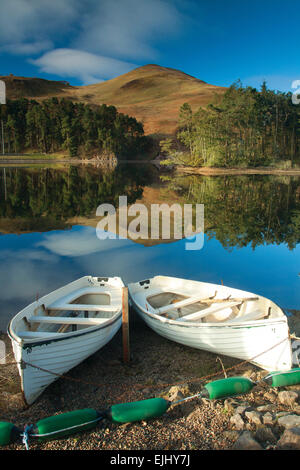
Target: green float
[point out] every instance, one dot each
(8, 433)
(227, 387)
(137, 410)
(283, 378)
(64, 424)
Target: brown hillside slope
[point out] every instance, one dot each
(35, 88)
(151, 93)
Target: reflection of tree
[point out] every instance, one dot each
(242, 210)
(55, 195)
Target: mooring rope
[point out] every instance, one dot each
(143, 386)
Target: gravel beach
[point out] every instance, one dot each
(158, 367)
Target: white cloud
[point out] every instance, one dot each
(127, 28)
(29, 21)
(27, 48)
(90, 68)
(79, 243)
(90, 40)
(32, 254)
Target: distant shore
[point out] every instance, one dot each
(205, 171)
(236, 171)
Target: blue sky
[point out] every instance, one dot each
(88, 41)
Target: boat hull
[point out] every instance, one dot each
(43, 345)
(265, 343)
(57, 356)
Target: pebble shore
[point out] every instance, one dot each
(264, 419)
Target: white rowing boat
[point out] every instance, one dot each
(215, 318)
(61, 329)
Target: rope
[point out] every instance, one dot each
(186, 398)
(25, 436)
(67, 429)
(28, 428)
(142, 386)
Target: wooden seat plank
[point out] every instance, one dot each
(207, 311)
(67, 320)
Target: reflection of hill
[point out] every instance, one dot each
(155, 194)
(239, 210)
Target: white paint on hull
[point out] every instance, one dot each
(265, 342)
(60, 354)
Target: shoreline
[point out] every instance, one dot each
(47, 161)
(207, 171)
(158, 368)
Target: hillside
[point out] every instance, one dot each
(35, 88)
(151, 93)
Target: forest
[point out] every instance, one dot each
(245, 128)
(55, 125)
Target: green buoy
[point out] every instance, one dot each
(227, 387)
(8, 433)
(283, 378)
(64, 424)
(137, 410)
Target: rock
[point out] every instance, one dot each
(282, 413)
(263, 408)
(253, 417)
(265, 436)
(242, 408)
(229, 405)
(231, 435)
(249, 374)
(246, 442)
(290, 439)
(288, 398)
(261, 374)
(289, 421)
(268, 418)
(270, 396)
(237, 421)
(177, 392)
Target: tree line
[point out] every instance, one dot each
(245, 127)
(55, 125)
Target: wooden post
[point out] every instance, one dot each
(3, 151)
(125, 325)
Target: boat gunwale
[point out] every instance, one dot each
(234, 324)
(27, 343)
(13, 335)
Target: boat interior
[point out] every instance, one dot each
(87, 307)
(213, 309)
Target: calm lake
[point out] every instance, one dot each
(48, 231)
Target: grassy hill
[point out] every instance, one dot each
(36, 88)
(151, 93)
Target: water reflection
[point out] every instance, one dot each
(45, 198)
(239, 210)
(251, 241)
(242, 210)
